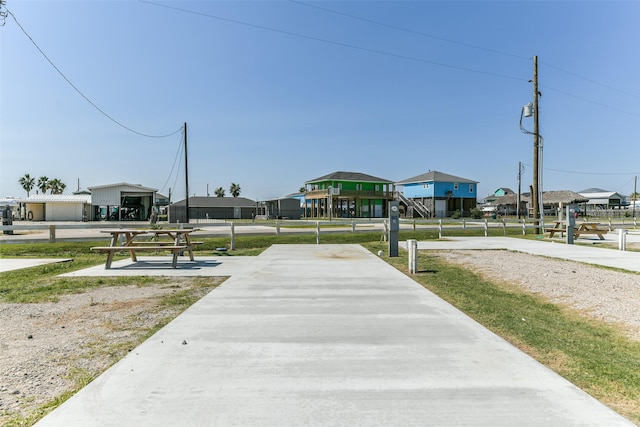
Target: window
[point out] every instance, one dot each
(426, 185)
(339, 186)
(358, 187)
(455, 185)
(470, 188)
(377, 187)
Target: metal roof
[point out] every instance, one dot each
(349, 176)
(123, 184)
(57, 198)
(435, 176)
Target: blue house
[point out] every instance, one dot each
(437, 194)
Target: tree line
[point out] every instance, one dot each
(54, 186)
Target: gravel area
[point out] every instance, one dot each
(47, 348)
(608, 295)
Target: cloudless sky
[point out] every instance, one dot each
(275, 93)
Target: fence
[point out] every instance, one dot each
(232, 228)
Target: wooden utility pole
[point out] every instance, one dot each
(186, 173)
(536, 150)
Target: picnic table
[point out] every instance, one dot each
(127, 240)
(582, 228)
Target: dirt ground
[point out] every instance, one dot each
(48, 349)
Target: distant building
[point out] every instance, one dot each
(282, 208)
(55, 207)
(203, 208)
(122, 202)
(603, 199)
(348, 195)
(437, 194)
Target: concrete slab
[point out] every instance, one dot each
(8, 264)
(319, 335)
(626, 260)
(161, 266)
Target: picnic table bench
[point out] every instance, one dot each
(583, 228)
(124, 240)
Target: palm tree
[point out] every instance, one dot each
(56, 186)
(234, 189)
(219, 192)
(43, 184)
(27, 183)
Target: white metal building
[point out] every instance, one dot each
(121, 202)
(55, 207)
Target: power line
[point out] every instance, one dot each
(589, 173)
(176, 159)
(80, 92)
(591, 81)
(407, 30)
(332, 42)
(589, 101)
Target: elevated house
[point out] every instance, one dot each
(602, 199)
(437, 194)
(347, 195)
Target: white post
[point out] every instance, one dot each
(622, 239)
(52, 233)
(504, 227)
(440, 229)
(524, 227)
(233, 237)
(486, 227)
(277, 228)
(353, 225)
(412, 246)
(317, 232)
(464, 224)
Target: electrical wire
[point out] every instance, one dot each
(589, 101)
(591, 81)
(80, 92)
(332, 42)
(176, 159)
(589, 173)
(407, 30)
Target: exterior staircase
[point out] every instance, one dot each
(413, 207)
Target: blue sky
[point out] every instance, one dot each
(276, 93)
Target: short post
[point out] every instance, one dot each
(486, 227)
(464, 224)
(412, 246)
(622, 239)
(52, 233)
(440, 229)
(386, 230)
(414, 224)
(504, 227)
(610, 225)
(571, 224)
(277, 228)
(232, 245)
(524, 227)
(317, 232)
(353, 225)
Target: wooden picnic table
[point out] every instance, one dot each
(582, 228)
(125, 240)
(589, 228)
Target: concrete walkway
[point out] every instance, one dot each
(327, 335)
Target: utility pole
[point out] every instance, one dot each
(519, 189)
(186, 173)
(635, 196)
(535, 196)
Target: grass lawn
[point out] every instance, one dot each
(594, 356)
